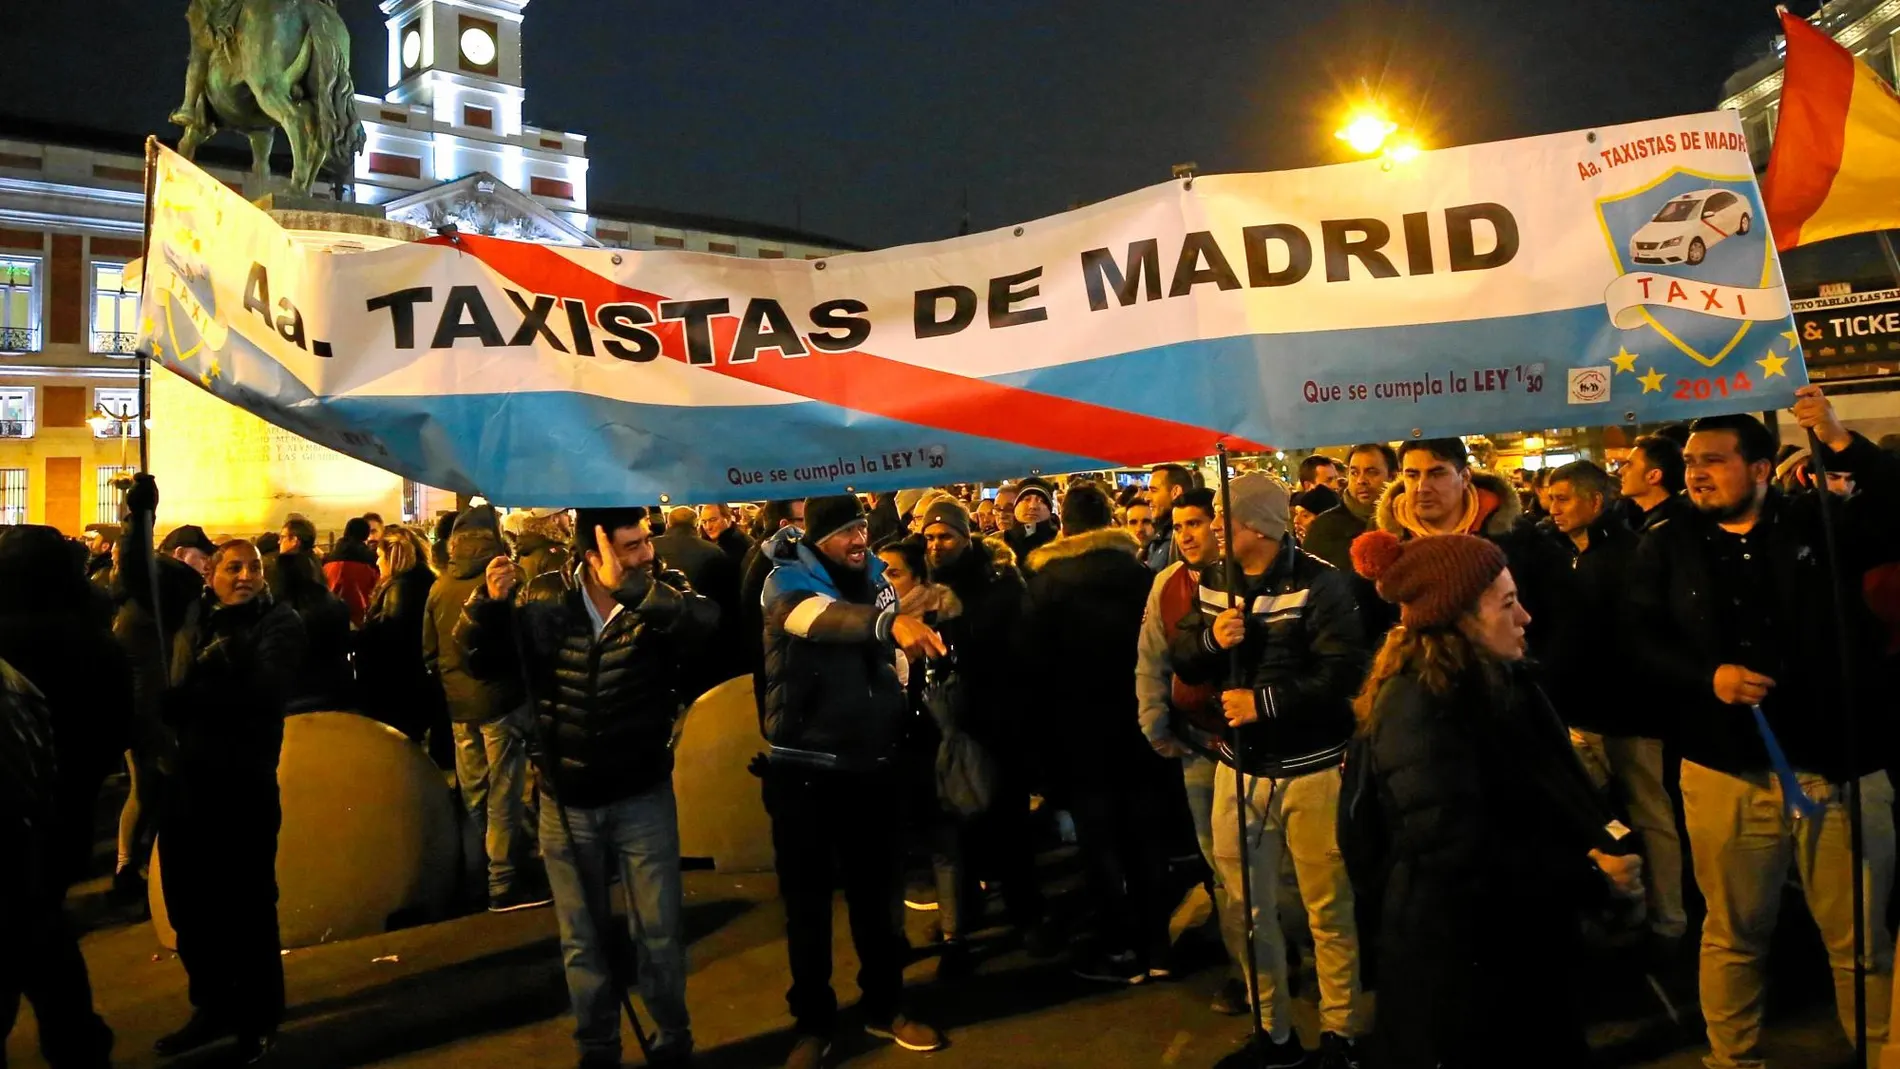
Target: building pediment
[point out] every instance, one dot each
(480, 203)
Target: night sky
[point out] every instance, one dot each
(869, 121)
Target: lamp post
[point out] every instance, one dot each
(102, 421)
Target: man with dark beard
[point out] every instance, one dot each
(1732, 617)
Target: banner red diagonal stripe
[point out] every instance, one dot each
(868, 383)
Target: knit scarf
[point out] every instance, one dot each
(1479, 505)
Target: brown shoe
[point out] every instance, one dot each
(808, 1053)
(908, 1034)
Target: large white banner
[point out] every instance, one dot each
(1611, 276)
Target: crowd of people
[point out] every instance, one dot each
(1406, 719)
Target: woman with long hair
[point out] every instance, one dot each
(1494, 839)
(395, 687)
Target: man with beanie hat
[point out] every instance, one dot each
(1035, 518)
(488, 718)
(1279, 631)
(833, 716)
(981, 624)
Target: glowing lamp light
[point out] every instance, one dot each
(1533, 444)
(1403, 152)
(1366, 133)
(102, 424)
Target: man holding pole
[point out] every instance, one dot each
(1280, 633)
(1732, 611)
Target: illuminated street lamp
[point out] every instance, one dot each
(104, 419)
(1368, 132)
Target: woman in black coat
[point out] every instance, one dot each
(395, 687)
(1494, 839)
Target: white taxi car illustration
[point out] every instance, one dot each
(1688, 226)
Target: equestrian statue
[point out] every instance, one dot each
(260, 64)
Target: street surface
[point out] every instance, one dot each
(485, 992)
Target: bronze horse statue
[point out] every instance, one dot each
(260, 64)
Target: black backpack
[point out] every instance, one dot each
(1365, 842)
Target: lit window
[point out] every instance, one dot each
(19, 306)
(16, 411)
(121, 403)
(115, 311)
(12, 496)
(110, 494)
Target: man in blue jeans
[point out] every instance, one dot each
(600, 645)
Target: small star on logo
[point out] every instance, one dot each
(1624, 360)
(1652, 382)
(158, 351)
(1772, 365)
(1792, 340)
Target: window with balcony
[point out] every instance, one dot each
(115, 412)
(16, 411)
(19, 306)
(12, 496)
(115, 311)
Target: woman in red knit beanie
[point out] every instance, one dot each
(1493, 838)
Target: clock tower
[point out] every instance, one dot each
(453, 112)
(459, 58)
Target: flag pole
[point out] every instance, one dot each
(145, 263)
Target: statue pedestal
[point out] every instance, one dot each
(316, 220)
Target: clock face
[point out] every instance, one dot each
(478, 47)
(411, 49)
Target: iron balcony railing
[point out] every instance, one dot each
(19, 340)
(116, 342)
(16, 428)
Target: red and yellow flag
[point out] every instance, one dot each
(1835, 168)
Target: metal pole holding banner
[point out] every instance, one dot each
(1232, 566)
(145, 262)
(1856, 844)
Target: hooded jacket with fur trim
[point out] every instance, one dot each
(1087, 593)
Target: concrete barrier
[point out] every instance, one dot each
(370, 833)
(722, 814)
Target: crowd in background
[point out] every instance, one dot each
(1411, 723)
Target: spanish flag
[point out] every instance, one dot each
(1835, 168)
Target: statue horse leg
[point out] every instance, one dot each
(301, 121)
(262, 141)
(195, 134)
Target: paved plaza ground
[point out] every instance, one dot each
(484, 992)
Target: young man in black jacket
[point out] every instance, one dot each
(1616, 730)
(1731, 611)
(834, 716)
(1284, 641)
(601, 648)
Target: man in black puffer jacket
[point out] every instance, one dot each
(601, 647)
(1288, 657)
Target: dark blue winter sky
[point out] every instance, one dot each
(869, 120)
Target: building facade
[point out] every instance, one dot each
(1847, 291)
(447, 145)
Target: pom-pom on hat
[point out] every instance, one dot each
(1432, 580)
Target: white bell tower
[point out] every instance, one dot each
(453, 110)
(459, 58)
